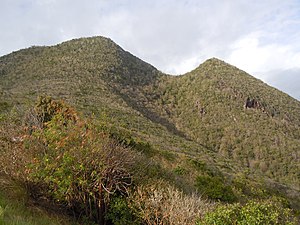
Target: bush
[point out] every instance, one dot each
(46, 108)
(120, 213)
(162, 204)
(79, 166)
(13, 158)
(214, 188)
(254, 212)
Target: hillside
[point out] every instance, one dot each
(214, 124)
(237, 116)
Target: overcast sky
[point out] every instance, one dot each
(261, 37)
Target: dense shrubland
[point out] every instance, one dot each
(177, 137)
(208, 105)
(104, 175)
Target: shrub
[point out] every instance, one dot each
(214, 188)
(254, 212)
(80, 166)
(13, 158)
(119, 212)
(163, 204)
(46, 108)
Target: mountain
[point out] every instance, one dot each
(215, 121)
(238, 117)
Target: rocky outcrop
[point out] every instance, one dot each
(255, 104)
(252, 103)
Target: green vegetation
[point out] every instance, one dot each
(127, 144)
(120, 212)
(253, 212)
(214, 188)
(17, 209)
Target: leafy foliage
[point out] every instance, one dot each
(80, 166)
(215, 188)
(120, 213)
(253, 212)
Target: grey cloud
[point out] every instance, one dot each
(285, 80)
(165, 33)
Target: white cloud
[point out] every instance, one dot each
(278, 64)
(184, 65)
(249, 54)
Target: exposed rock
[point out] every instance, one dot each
(252, 103)
(255, 104)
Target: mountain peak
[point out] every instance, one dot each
(216, 62)
(89, 40)
(211, 63)
(214, 59)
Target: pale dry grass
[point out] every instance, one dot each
(167, 205)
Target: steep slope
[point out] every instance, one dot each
(94, 74)
(216, 120)
(237, 116)
(84, 71)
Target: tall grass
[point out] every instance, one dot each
(16, 207)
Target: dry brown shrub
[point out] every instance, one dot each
(13, 158)
(162, 205)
